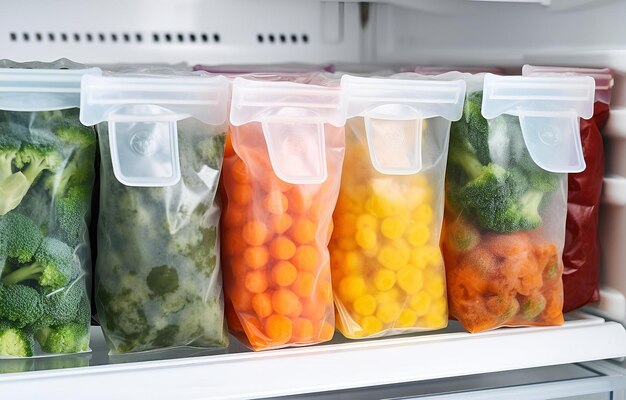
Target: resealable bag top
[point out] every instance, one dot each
(158, 283)
(581, 254)
(142, 114)
(387, 268)
(506, 196)
(292, 117)
(45, 201)
(394, 110)
(282, 170)
(549, 110)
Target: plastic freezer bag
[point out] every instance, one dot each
(46, 180)
(280, 184)
(387, 268)
(506, 193)
(581, 254)
(158, 283)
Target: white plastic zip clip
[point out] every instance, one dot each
(602, 76)
(24, 89)
(142, 114)
(549, 109)
(394, 111)
(292, 116)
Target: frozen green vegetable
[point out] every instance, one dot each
(46, 178)
(158, 283)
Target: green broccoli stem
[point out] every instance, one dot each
(32, 271)
(6, 161)
(32, 171)
(531, 200)
(468, 162)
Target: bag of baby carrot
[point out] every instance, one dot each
(280, 183)
(506, 198)
(387, 268)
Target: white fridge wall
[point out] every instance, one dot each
(193, 31)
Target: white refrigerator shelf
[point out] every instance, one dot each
(340, 364)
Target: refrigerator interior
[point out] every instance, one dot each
(393, 33)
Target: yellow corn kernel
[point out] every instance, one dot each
(433, 256)
(366, 238)
(388, 312)
(407, 318)
(391, 257)
(352, 262)
(366, 221)
(345, 225)
(418, 234)
(434, 321)
(439, 306)
(423, 213)
(410, 279)
(370, 253)
(351, 287)
(377, 206)
(434, 285)
(384, 279)
(420, 303)
(371, 325)
(419, 257)
(392, 227)
(365, 305)
(386, 297)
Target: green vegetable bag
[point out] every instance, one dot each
(506, 198)
(46, 181)
(158, 282)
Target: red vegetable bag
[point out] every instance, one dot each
(581, 254)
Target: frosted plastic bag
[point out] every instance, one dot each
(158, 282)
(47, 171)
(387, 268)
(280, 185)
(581, 254)
(506, 193)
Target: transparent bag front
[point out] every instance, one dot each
(47, 170)
(387, 268)
(504, 221)
(280, 184)
(158, 282)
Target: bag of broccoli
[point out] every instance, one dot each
(506, 198)
(158, 282)
(47, 169)
(387, 268)
(282, 171)
(581, 254)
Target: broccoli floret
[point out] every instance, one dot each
(21, 305)
(162, 280)
(34, 158)
(125, 318)
(71, 132)
(477, 126)
(64, 339)
(211, 151)
(14, 342)
(9, 147)
(62, 306)
(54, 266)
(71, 210)
(23, 237)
